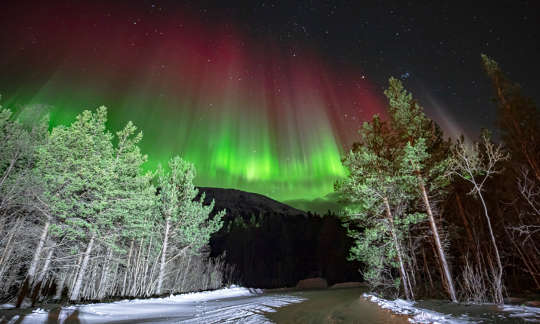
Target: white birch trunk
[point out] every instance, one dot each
(60, 286)
(163, 256)
(46, 265)
(498, 275)
(4, 264)
(127, 267)
(402, 271)
(33, 266)
(78, 283)
(103, 282)
(135, 285)
(185, 273)
(146, 283)
(440, 251)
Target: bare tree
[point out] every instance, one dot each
(475, 164)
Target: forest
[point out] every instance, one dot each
(80, 219)
(457, 219)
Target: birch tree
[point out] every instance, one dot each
(476, 164)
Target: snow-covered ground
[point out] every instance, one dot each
(417, 315)
(468, 313)
(529, 314)
(227, 305)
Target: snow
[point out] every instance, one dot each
(477, 312)
(227, 305)
(527, 313)
(417, 315)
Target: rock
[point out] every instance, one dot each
(351, 284)
(533, 303)
(312, 283)
(514, 300)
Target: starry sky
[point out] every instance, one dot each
(263, 96)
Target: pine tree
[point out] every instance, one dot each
(425, 156)
(519, 118)
(76, 166)
(182, 213)
(133, 198)
(379, 192)
(18, 185)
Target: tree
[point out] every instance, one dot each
(519, 119)
(425, 154)
(133, 197)
(20, 138)
(379, 193)
(182, 213)
(76, 166)
(519, 122)
(476, 164)
(74, 201)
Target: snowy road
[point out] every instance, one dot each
(230, 305)
(243, 305)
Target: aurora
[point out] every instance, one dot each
(251, 115)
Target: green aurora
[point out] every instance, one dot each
(255, 119)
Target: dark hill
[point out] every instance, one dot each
(238, 202)
(271, 244)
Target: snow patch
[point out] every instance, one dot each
(230, 292)
(527, 313)
(417, 315)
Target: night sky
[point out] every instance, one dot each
(263, 96)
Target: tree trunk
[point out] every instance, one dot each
(498, 279)
(185, 274)
(402, 271)
(163, 256)
(136, 284)
(46, 265)
(426, 269)
(32, 269)
(104, 280)
(127, 267)
(78, 283)
(8, 248)
(146, 275)
(442, 256)
(60, 286)
(528, 264)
